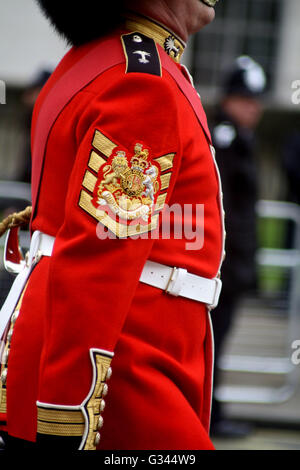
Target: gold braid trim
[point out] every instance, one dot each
(60, 422)
(84, 420)
(2, 399)
(17, 219)
(95, 404)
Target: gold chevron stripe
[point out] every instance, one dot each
(95, 161)
(120, 230)
(89, 181)
(165, 162)
(165, 181)
(103, 144)
(160, 202)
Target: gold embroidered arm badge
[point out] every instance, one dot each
(125, 190)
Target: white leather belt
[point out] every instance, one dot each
(175, 281)
(179, 282)
(41, 245)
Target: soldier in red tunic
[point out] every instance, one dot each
(119, 137)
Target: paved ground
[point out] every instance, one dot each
(261, 335)
(263, 439)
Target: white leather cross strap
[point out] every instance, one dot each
(179, 282)
(41, 245)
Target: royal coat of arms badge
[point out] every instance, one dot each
(125, 190)
(127, 186)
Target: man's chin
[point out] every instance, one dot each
(207, 13)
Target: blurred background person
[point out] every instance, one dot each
(233, 133)
(291, 170)
(291, 165)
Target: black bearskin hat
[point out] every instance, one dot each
(81, 22)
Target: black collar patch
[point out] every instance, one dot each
(141, 54)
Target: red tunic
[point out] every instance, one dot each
(88, 297)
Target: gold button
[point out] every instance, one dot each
(102, 405)
(97, 439)
(109, 373)
(14, 316)
(4, 376)
(100, 422)
(105, 390)
(5, 356)
(9, 335)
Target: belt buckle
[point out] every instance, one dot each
(175, 282)
(217, 293)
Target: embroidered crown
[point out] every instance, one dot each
(140, 158)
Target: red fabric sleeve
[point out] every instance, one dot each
(92, 281)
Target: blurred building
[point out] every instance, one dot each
(28, 45)
(267, 30)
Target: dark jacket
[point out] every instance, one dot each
(235, 157)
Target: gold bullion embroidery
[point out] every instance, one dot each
(2, 400)
(95, 404)
(128, 188)
(60, 422)
(165, 181)
(122, 192)
(103, 144)
(167, 39)
(120, 230)
(166, 161)
(160, 202)
(95, 161)
(89, 181)
(84, 420)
